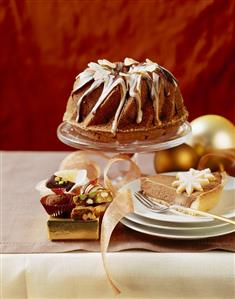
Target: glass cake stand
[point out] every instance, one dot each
(68, 135)
(142, 152)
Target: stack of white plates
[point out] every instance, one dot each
(180, 226)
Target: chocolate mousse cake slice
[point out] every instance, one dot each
(193, 191)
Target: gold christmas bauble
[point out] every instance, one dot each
(162, 161)
(211, 132)
(179, 158)
(219, 160)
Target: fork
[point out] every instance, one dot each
(158, 208)
(148, 203)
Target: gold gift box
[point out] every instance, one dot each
(70, 229)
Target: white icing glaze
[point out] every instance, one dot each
(119, 109)
(86, 73)
(110, 74)
(135, 92)
(108, 87)
(93, 86)
(137, 96)
(82, 80)
(155, 95)
(192, 180)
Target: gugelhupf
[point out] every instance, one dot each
(125, 101)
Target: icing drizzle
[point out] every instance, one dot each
(111, 75)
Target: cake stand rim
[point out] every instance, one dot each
(148, 146)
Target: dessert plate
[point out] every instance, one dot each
(225, 207)
(172, 225)
(179, 234)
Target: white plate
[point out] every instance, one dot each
(225, 207)
(179, 234)
(173, 225)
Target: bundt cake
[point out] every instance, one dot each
(125, 101)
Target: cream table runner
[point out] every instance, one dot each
(146, 275)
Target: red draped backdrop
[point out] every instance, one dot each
(44, 44)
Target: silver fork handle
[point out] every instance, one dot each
(148, 203)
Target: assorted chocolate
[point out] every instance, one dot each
(58, 205)
(58, 182)
(71, 195)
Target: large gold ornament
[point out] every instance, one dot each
(179, 158)
(211, 132)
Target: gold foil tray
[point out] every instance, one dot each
(69, 229)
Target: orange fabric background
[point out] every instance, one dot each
(44, 44)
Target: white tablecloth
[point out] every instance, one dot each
(207, 275)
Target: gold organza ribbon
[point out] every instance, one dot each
(120, 206)
(126, 176)
(84, 160)
(122, 200)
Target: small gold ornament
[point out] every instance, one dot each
(219, 160)
(211, 132)
(179, 158)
